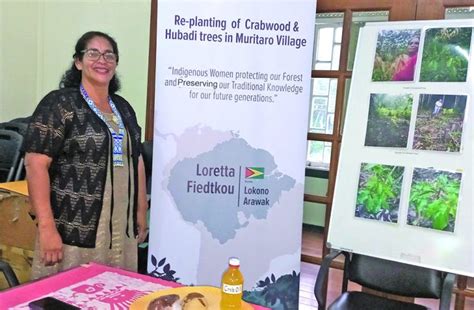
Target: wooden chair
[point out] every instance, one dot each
(384, 276)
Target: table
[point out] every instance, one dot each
(90, 286)
(17, 230)
(19, 187)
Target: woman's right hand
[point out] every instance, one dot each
(51, 245)
(37, 175)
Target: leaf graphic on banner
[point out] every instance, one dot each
(166, 274)
(162, 262)
(279, 293)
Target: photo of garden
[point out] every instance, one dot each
(445, 55)
(378, 195)
(396, 55)
(434, 199)
(389, 120)
(439, 122)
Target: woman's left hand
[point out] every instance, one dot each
(142, 227)
(142, 203)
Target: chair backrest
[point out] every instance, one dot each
(10, 149)
(25, 120)
(394, 277)
(19, 127)
(147, 153)
(383, 276)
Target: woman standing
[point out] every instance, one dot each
(404, 65)
(85, 174)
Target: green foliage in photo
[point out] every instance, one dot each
(446, 55)
(389, 120)
(434, 199)
(379, 192)
(441, 131)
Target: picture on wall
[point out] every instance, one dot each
(396, 55)
(378, 194)
(439, 122)
(446, 54)
(434, 199)
(389, 120)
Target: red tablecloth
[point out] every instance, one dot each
(90, 286)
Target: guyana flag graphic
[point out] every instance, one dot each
(254, 172)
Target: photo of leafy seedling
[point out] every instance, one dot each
(378, 195)
(389, 120)
(396, 55)
(434, 199)
(439, 123)
(446, 55)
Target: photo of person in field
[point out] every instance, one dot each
(396, 55)
(439, 122)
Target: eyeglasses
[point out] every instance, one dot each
(94, 55)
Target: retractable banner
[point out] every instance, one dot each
(231, 112)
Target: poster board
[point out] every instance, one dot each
(404, 184)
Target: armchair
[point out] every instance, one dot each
(383, 276)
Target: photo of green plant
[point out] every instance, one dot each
(446, 55)
(389, 120)
(378, 195)
(434, 199)
(439, 122)
(396, 55)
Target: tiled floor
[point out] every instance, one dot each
(312, 240)
(307, 279)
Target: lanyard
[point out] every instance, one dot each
(117, 137)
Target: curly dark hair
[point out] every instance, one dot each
(72, 77)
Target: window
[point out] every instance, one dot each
(328, 32)
(327, 55)
(459, 13)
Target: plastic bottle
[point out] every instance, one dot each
(232, 286)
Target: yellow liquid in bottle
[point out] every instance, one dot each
(232, 288)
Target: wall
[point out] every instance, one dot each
(18, 53)
(37, 39)
(314, 213)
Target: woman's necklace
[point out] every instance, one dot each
(117, 137)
